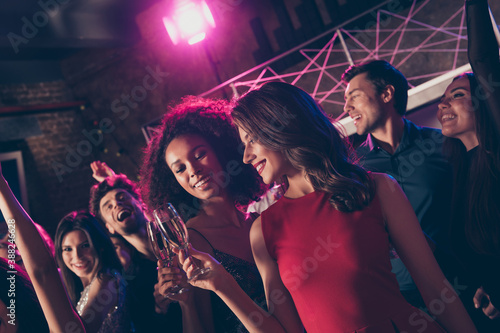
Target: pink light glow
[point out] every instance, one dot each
(189, 21)
(208, 14)
(197, 38)
(172, 30)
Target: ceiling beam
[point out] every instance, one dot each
(41, 108)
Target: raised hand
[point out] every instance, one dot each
(482, 300)
(101, 171)
(40, 265)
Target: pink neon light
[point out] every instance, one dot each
(190, 21)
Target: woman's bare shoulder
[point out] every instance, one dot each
(200, 222)
(379, 176)
(384, 183)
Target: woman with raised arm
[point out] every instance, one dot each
(323, 249)
(196, 164)
(40, 265)
(469, 113)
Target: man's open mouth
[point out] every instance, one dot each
(122, 215)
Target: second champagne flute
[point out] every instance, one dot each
(162, 251)
(175, 231)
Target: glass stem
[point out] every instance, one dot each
(186, 254)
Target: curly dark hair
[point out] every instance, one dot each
(98, 191)
(285, 118)
(210, 120)
(106, 258)
(381, 74)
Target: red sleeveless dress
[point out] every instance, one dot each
(336, 266)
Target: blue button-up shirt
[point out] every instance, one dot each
(423, 173)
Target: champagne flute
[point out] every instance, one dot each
(163, 252)
(175, 231)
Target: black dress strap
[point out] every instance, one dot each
(199, 233)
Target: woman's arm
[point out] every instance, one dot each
(282, 315)
(279, 300)
(202, 297)
(411, 245)
(40, 266)
(483, 53)
(190, 319)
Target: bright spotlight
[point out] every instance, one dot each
(189, 20)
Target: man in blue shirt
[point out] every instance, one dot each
(376, 98)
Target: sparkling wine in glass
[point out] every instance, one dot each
(163, 252)
(175, 231)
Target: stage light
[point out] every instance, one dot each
(189, 20)
(197, 38)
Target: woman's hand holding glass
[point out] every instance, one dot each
(165, 257)
(215, 278)
(175, 232)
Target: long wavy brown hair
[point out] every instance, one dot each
(285, 118)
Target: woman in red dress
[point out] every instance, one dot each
(323, 249)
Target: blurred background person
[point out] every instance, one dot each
(90, 268)
(376, 98)
(116, 202)
(468, 113)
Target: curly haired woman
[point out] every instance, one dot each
(196, 164)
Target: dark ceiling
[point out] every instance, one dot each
(51, 29)
(35, 35)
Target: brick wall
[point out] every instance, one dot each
(50, 197)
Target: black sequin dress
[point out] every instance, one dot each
(248, 278)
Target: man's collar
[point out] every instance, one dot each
(371, 143)
(409, 133)
(408, 136)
